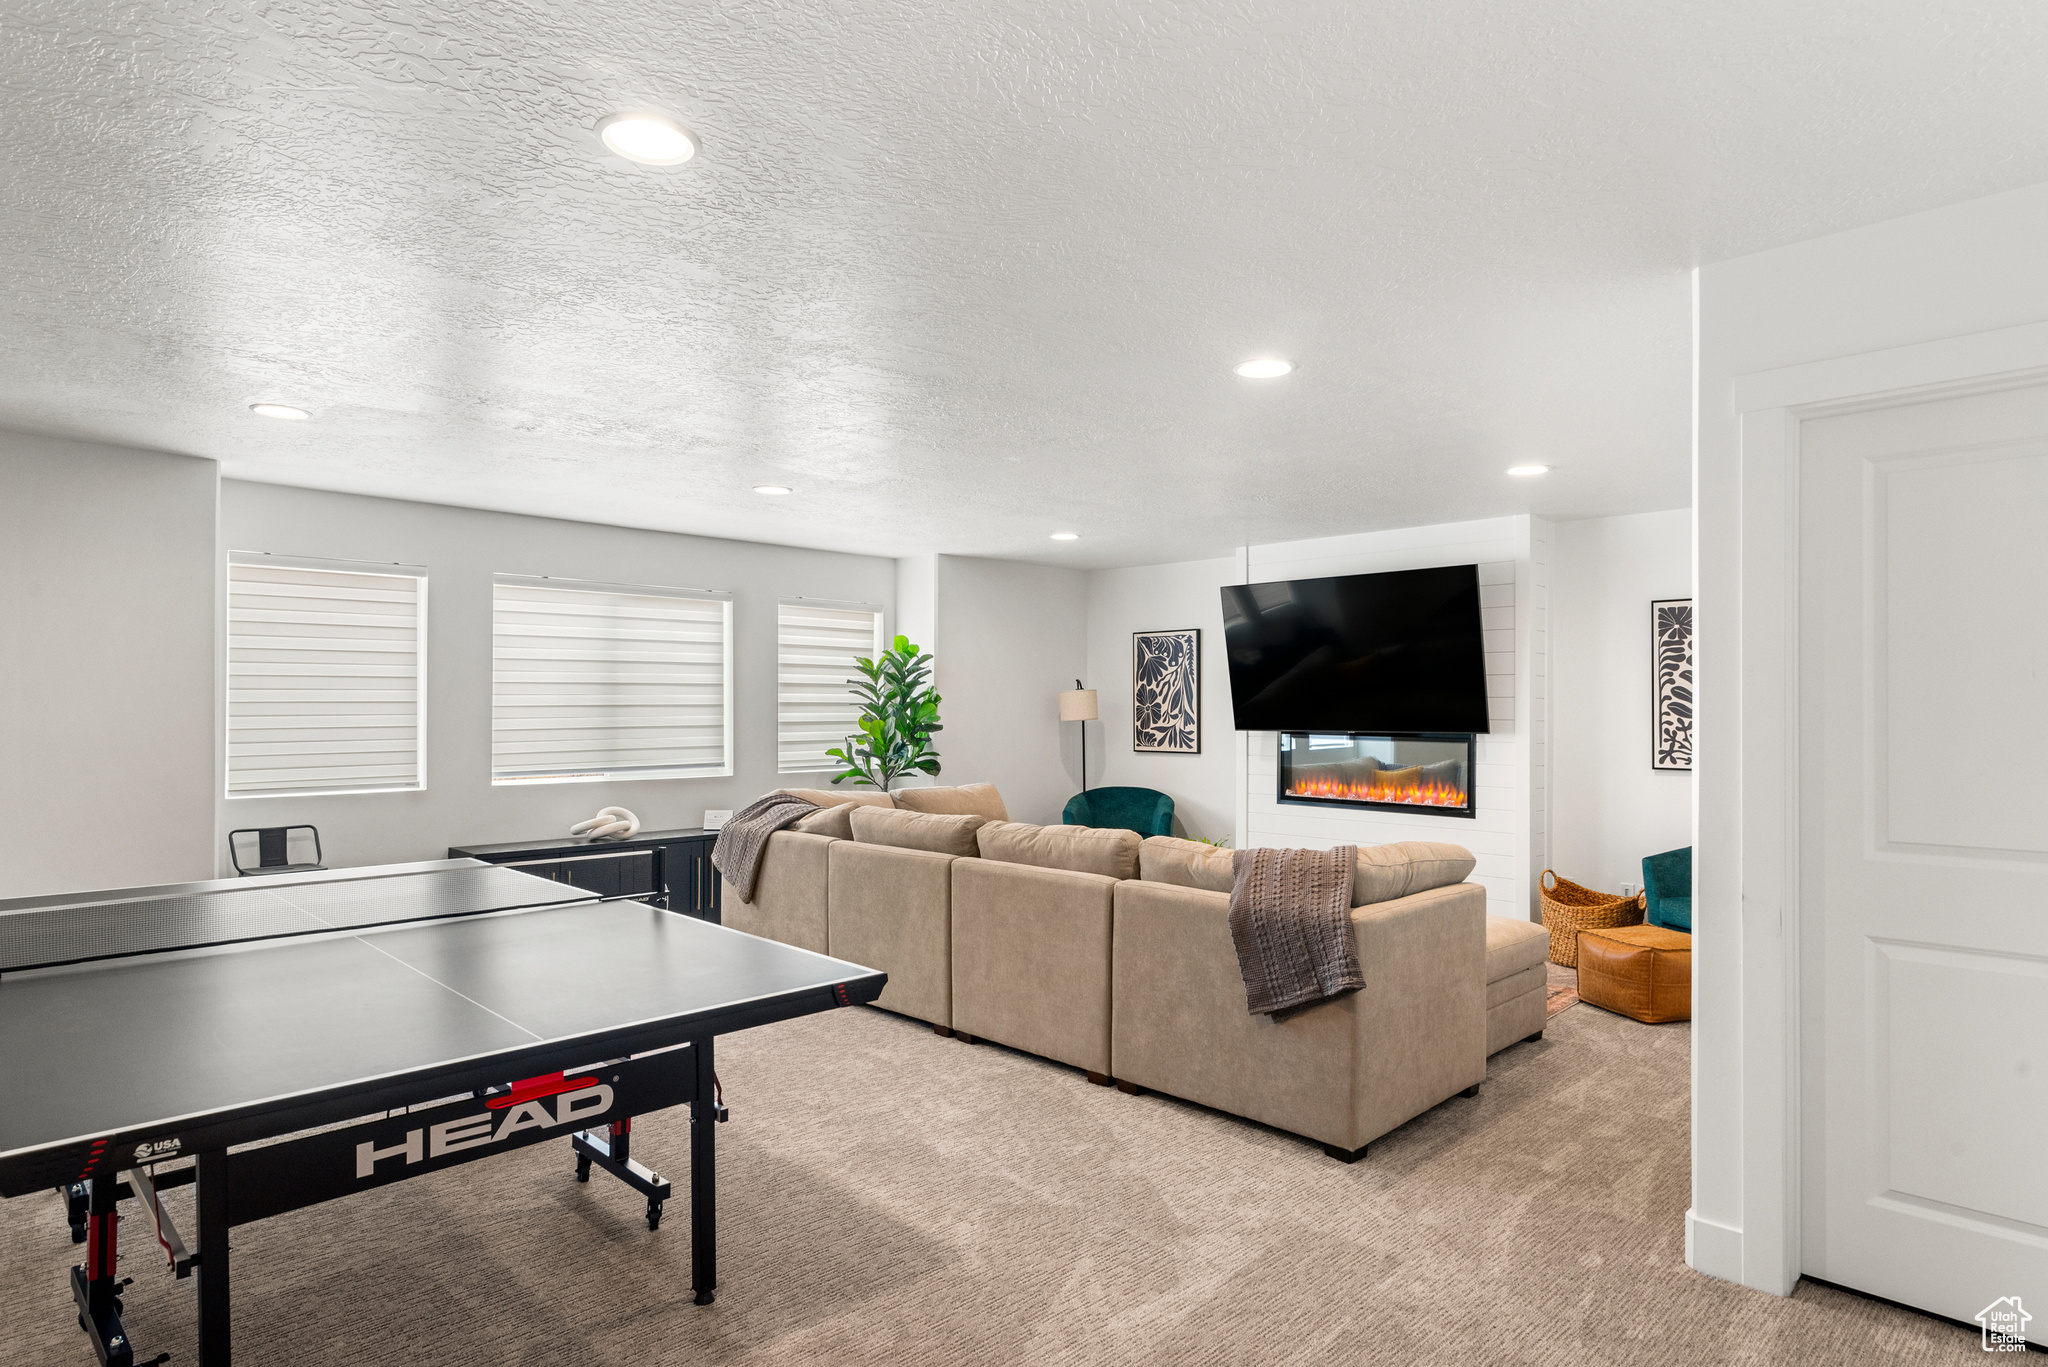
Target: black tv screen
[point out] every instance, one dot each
(1401, 651)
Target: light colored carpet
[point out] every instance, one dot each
(890, 1197)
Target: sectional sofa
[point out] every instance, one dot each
(1112, 954)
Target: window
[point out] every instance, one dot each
(326, 662)
(815, 646)
(606, 681)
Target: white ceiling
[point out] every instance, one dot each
(963, 273)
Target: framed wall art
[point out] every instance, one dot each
(1671, 683)
(1166, 692)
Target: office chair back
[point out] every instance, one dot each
(273, 850)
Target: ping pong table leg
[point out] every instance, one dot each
(703, 1177)
(102, 1238)
(212, 1272)
(94, 1286)
(77, 1204)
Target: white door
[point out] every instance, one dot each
(1924, 851)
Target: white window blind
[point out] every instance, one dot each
(325, 673)
(608, 681)
(815, 647)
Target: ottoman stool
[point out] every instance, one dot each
(1517, 982)
(1642, 972)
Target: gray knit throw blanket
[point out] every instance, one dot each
(744, 838)
(1290, 919)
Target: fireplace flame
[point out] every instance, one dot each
(1409, 792)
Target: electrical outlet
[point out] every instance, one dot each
(1628, 889)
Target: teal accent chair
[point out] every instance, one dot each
(1144, 810)
(1667, 879)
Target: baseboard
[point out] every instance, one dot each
(1712, 1248)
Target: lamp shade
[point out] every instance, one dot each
(1078, 704)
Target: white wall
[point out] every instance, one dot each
(1163, 598)
(917, 584)
(1010, 637)
(1608, 807)
(106, 666)
(461, 549)
(1961, 272)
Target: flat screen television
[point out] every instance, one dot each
(1395, 652)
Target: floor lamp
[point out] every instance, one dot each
(1078, 704)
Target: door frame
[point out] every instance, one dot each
(1760, 803)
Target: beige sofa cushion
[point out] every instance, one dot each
(1513, 946)
(1384, 872)
(1517, 1007)
(971, 799)
(836, 822)
(833, 797)
(1405, 868)
(916, 830)
(1185, 863)
(1078, 849)
(1503, 990)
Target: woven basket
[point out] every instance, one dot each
(1569, 909)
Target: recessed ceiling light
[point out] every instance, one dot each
(1528, 470)
(1066, 536)
(279, 410)
(1270, 368)
(772, 490)
(650, 139)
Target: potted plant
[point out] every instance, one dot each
(899, 712)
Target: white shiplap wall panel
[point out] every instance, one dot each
(1513, 599)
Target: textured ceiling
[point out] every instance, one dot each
(961, 273)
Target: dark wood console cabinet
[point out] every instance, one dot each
(669, 868)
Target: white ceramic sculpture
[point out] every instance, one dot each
(610, 823)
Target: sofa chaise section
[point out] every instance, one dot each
(1343, 1072)
(1517, 981)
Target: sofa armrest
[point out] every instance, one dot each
(891, 908)
(789, 896)
(1031, 959)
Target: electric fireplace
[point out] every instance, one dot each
(1396, 773)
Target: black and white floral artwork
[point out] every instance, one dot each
(1166, 691)
(1671, 682)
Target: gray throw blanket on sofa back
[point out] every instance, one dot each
(744, 838)
(1290, 921)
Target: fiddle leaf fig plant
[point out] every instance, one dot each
(899, 712)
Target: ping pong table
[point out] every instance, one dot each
(306, 1036)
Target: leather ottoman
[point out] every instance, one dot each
(1642, 972)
